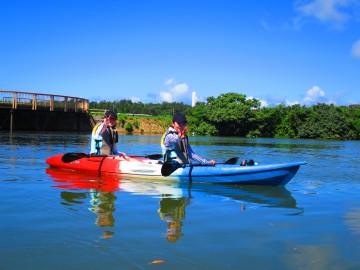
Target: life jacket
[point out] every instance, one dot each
(96, 142)
(104, 143)
(178, 151)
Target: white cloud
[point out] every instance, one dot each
(177, 92)
(291, 103)
(170, 81)
(180, 89)
(325, 10)
(336, 12)
(265, 25)
(135, 99)
(355, 51)
(263, 103)
(166, 96)
(313, 96)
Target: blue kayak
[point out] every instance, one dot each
(271, 174)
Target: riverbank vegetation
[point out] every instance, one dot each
(232, 114)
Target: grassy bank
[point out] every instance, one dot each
(139, 124)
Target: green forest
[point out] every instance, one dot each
(232, 114)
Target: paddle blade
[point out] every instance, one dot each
(70, 157)
(154, 156)
(169, 167)
(232, 160)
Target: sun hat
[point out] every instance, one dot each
(179, 118)
(111, 114)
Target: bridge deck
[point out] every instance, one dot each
(39, 101)
(29, 111)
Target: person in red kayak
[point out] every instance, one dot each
(175, 143)
(105, 137)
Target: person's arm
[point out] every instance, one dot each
(117, 152)
(100, 130)
(198, 158)
(171, 138)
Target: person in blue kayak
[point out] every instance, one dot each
(105, 137)
(175, 143)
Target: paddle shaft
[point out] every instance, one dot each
(170, 167)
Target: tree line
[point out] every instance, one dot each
(232, 114)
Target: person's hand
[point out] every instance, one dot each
(177, 128)
(212, 162)
(180, 129)
(107, 121)
(182, 133)
(124, 156)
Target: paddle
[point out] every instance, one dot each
(170, 167)
(154, 156)
(70, 157)
(232, 161)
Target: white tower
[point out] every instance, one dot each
(194, 99)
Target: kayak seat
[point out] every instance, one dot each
(246, 162)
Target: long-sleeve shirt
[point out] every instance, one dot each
(172, 137)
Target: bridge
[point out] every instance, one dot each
(29, 111)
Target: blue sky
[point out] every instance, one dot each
(279, 51)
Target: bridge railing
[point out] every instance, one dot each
(40, 101)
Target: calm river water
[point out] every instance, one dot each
(53, 219)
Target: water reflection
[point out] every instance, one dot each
(33, 139)
(103, 205)
(100, 193)
(71, 198)
(172, 211)
(265, 196)
(173, 197)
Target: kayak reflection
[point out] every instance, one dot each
(101, 194)
(174, 196)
